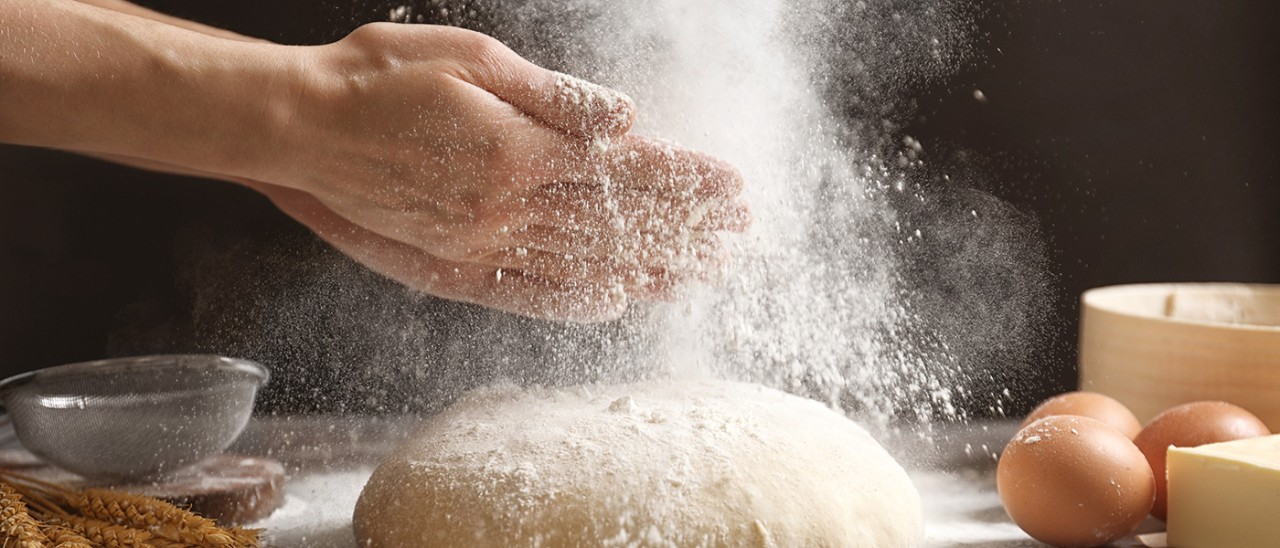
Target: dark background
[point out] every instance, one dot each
(1136, 136)
(1140, 134)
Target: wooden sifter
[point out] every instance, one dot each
(1154, 346)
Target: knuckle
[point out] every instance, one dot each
(486, 50)
(372, 48)
(499, 153)
(373, 32)
(481, 53)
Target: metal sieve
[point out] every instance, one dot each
(132, 418)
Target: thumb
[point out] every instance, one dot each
(581, 106)
(564, 102)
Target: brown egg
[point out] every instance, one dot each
(1191, 425)
(1088, 404)
(1074, 481)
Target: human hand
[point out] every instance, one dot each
(442, 159)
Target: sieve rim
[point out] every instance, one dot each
(253, 369)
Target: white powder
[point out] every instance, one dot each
(838, 291)
(811, 302)
(843, 290)
(602, 103)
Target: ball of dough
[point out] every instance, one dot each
(669, 463)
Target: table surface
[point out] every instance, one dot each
(330, 458)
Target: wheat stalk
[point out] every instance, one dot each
(17, 527)
(113, 518)
(62, 537)
(37, 492)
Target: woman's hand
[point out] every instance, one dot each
(442, 159)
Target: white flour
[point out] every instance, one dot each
(857, 285)
(583, 95)
(812, 302)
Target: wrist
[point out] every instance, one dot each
(233, 105)
(221, 106)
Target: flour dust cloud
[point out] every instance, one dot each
(870, 278)
(824, 293)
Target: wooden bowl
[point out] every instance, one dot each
(1154, 346)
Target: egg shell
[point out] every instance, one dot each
(1074, 481)
(1191, 425)
(1088, 404)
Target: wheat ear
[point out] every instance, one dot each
(160, 518)
(17, 527)
(248, 538)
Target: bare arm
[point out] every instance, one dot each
(78, 77)
(138, 11)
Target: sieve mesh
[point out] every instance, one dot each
(132, 418)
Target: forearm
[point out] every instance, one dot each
(78, 77)
(139, 11)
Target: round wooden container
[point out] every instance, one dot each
(1153, 346)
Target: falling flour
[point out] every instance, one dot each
(816, 300)
(857, 285)
(838, 293)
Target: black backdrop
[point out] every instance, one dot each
(1138, 134)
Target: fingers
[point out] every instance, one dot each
(578, 107)
(650, 205)
(650, 164)
(637, 280)
(644, 185)
(628, 214)
(486, 285)
(568, 266)
(648, 267)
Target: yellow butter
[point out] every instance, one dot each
(1225, 494)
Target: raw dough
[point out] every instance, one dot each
(670, 463)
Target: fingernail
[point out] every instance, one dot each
(735, 217)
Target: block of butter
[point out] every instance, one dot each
(1225, 494)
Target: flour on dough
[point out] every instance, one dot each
(668, 463)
